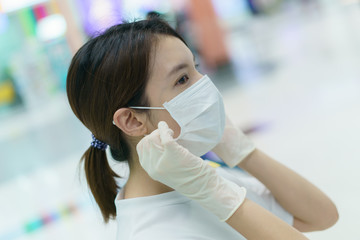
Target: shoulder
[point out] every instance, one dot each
(169, 216)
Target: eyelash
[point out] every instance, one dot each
(185, 76)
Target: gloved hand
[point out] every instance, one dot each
(234, 145)
(173, 165)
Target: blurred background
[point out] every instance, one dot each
(289, 72)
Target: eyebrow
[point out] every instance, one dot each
(179, 67)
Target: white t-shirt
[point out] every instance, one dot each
(172, 216)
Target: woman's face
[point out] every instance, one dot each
(173, 70)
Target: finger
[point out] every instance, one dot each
(151, 140)
(166, 134)
(154, 138)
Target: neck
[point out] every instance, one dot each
(140, 184)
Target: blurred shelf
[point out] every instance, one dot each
(23, 120)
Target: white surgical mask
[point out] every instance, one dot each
(199, 111)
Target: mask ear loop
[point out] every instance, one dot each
(156, 108)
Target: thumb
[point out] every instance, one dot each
(166, 134)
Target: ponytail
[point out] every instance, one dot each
(101, 180)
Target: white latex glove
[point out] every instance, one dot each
(173, 165)
(234, 145)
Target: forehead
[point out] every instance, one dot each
(168, 52)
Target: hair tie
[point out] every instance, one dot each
(96, 143)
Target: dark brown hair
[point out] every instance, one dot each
(109, 72)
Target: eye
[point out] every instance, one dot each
(182, 80)
(197, 65)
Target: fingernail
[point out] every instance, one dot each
(162, 124)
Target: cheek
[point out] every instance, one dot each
(165, 116)
(174, 126)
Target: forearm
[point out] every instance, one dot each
(255, 222)
(311, 208)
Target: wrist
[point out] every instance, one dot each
(246, 162)
(224, 200)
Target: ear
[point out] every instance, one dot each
(131, 123)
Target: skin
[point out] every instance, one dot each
(311, 209)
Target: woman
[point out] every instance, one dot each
(136, 88)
